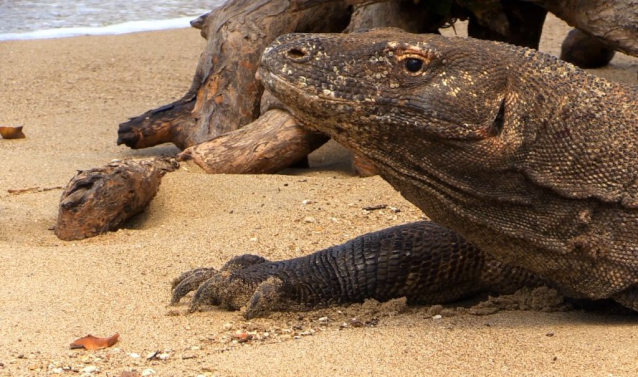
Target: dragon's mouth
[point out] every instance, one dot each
(278, 85)
(309, 105)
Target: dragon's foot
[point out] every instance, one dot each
(190, 281)
(242, 283)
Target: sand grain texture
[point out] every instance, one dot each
(70, 95)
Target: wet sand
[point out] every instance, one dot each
(70, 94)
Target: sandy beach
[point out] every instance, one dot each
(71, 94)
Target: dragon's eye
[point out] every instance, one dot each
(413, 65)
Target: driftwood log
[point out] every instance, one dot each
(585, 51)
(273, 142)
(98, 200)
(224, 94)
(614, 23)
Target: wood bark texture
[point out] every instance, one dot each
(224, 94)
(614, 22)
(585, 51)
(407, 15)
(271, 143)
(98, 200)
(515, 22)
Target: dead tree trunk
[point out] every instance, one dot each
(411, 16)
(99, 200)
(224, 94)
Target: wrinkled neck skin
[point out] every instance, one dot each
(491, 140)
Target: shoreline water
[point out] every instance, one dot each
(116, 29)
(35, 19)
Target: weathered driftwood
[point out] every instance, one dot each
(98, 200)
(271, 143)
(173, 123)
(224, 94)
(515, 22)
(614, 22)
(585, 51)
(411, 16)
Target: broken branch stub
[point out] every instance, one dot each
(98, 200)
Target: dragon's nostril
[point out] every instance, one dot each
(295, 53)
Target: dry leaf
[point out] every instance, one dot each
(243, 337)
(91, 342)
(12, 132)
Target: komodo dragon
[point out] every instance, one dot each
(531, 162)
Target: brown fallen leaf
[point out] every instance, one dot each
(12, 132)
(243, 337)
(91, 342)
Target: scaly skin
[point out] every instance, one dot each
(530, 159)
(421, 261)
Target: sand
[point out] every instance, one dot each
(70, 95)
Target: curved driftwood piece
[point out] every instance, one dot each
(585, 51)
(171, 123)
(98, 200)
(414, 17)
(224, 94)
(614, 22)
(515, 22)
(271, 143)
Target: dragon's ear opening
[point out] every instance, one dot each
(499, 120)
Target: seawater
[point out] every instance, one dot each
(28, 19)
